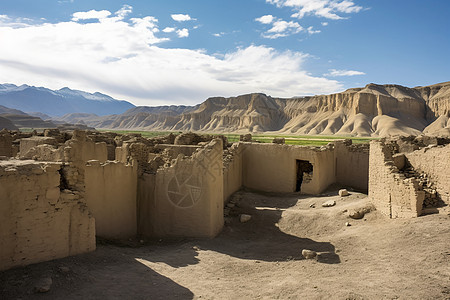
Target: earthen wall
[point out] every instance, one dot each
(272, 167)
(111, 197)
(187, 198)
(434, 161)
(39, 221)
(390, 191)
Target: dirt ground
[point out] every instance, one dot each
(374, 258)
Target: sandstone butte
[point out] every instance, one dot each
(375, 110)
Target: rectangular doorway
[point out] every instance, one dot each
(304, 173)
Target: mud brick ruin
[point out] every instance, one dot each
(59, 190)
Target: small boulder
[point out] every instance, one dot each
(309, 254)
(44, 285)
(329, 203)
(356, 214)
(359, 213)
(244, 218)
(343, 193)
(348, 224)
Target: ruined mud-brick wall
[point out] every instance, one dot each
(6, 146)
(435, 162)
(272, 167)
(389, 190)
(232, 170)
(352, 164)
(38, 221)
(111, 189)
(184, 197)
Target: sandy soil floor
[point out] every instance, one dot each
(374, 258)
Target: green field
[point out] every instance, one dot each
(147, 134)
(304, 140)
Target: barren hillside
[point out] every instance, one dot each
(375, 110)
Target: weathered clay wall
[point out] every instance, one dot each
(232, 172)
(352, 165)
(111, 197)
(27, 144)
(187, 198)
(435, 162)
(80, 149)
(272, 167)
(389, 190)
(6, 148)
(38, 221)
(175, 150)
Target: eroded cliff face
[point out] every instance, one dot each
(375, 110)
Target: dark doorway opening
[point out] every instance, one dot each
(304, 173)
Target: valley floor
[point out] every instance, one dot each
(374, 258)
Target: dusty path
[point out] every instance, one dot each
(374, 258)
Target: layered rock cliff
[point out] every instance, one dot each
(375, 110)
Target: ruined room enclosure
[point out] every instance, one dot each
(116, 187)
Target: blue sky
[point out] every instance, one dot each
(181, 52)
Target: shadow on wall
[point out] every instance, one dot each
(107, 273)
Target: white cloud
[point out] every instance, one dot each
(218, 34)
(321, 8)
(282, 28)
(324, 23)
(182, 33)
(181, 17)
(92, 14)
(6, 21)
(122, 58)
(267, 19)
(338, 73)
(168, 29)
(311, 30)
(124, 11)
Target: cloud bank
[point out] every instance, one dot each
(338, 73)
(330, 9)
(124, 57)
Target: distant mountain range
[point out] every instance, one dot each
(31, 99)
(374, 110)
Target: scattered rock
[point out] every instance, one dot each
(343, 193)
(244, 218)
(230, 205)
(356, 214)
(359, 213)
(309, 254)
(44, 285)
(329, 203)
(348, 224)
(313, 205)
